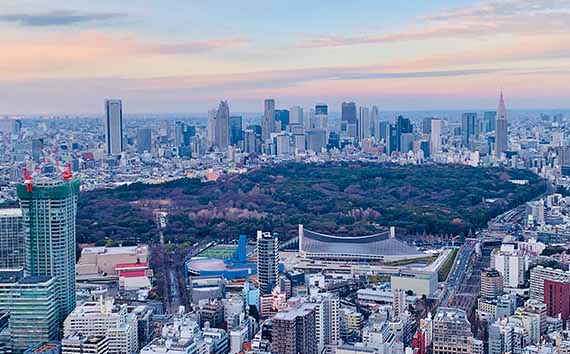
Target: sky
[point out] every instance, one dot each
(67, 56)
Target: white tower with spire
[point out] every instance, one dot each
(501, 139)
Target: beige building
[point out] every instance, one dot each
(104, 260)
(452, 333)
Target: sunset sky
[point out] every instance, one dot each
(67, 56)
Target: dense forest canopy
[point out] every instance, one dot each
(351, 198)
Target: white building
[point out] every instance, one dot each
(78, 344)
(435, 136)
(511, 264)
(103, 318)
(364, 123)
(181, 337)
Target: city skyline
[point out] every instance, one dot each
(162, 58)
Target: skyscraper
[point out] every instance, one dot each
(12, 250)
(501, 139)
(309, 119)
(236, 130)
(49, 208)
(267, 261)
(144, 140)
(179, 128)
(468, 127)
(490, 118)
(296, 115)
(426, 125)
(268, 122)
(348, 113)
(321, 116)
(364, 123)
(403, 126)
(435, 136)
(222, 128)
(282, 118)
(375, 121)
(212, 127)
(114, 127)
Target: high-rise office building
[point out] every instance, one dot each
(296, 115)
(179, 129)
(321, 120)
(49, 208)
(375, 120)
(33, 312)
(501, 138)
(393, 139)
(309, 122)
(144, 140)
(267, 261)
(236, 130)
(348, 113)
(113, 127)
(316, 139)
(222, 127)
(489, 118)
(16, 126)
(12, 233)
(321, 109)
(403, 126)
(426, 125)
(294, 331)
(212, 127)
(435, 136)
(268, 122)
(451, 332)
(364, 123)
(282, 117)
(468, 127)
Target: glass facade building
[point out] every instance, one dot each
(49, 208)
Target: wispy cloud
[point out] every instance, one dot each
(490, 18)
(58, 18)
(193, 46)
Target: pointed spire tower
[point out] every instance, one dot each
(501, 139)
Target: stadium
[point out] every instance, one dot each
(377, 248)
(222, 261)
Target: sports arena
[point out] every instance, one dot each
(380, 247)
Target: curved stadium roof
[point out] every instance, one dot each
(372, 246)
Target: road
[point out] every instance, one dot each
(458, 272)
